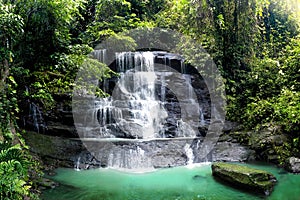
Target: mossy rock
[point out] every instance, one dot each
(54, 151)
(244, 177)
(47, 184)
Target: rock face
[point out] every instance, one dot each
(293, 165)
(228, 149)
(267, 142)
(232, 152)
(71, 152)
(244, 177)
(54, 151)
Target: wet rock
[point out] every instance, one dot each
(232, 152)
(267, 142)
(224, 150)
(230, 126)
(60, 129)
(54, 151)
(293, 165)
(47, 184)
(85, 160)
(51, 173)
(253, 180)
(71, 153)
(138, 155)
(198, 177)
(159, 153)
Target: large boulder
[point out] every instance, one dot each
(244, 177)
(293, 165)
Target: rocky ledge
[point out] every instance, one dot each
(252, 180)
(72, 152)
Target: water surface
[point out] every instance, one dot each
(180, 183)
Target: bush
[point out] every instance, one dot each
(13, 172)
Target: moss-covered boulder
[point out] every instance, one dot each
(244, 177)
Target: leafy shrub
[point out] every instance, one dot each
(13, 172)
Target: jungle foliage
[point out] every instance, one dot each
(254, 43)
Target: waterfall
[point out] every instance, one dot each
(202, 120)
(103, 115)
(153, 103)
(100, 55)
(36, 116)
(189, 153)
(137, 108)
(185, 130)
(77, 164)
(132, 158)
(134, 106)
(182, 66)
(190, 89)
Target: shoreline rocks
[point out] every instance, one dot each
(293, 165)
(46, 183)
(250, 179)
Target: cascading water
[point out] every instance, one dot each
(152, 100)
(35, 118)
(189, 153)
(77, 164)
(139, 106)
(134, 96)
(132, 158)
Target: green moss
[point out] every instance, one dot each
(238, 168)
(41, 144)
(245, 177)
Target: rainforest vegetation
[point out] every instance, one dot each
(254, 43)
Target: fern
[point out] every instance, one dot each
(8, 153)
(13, 172)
